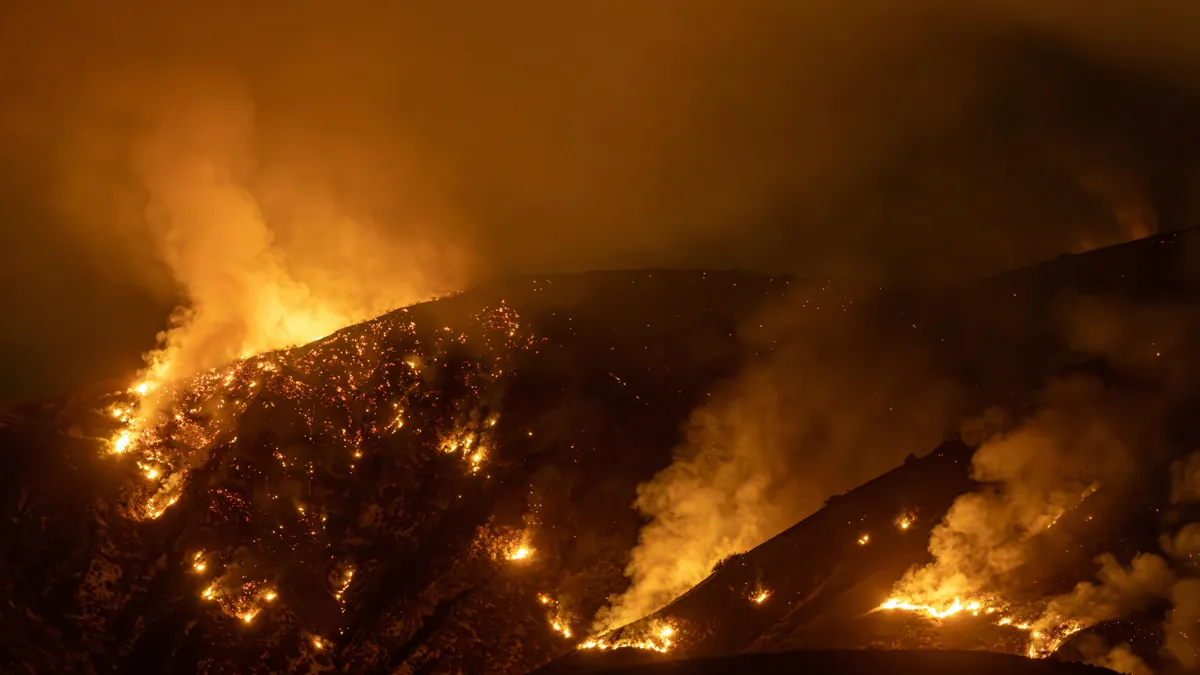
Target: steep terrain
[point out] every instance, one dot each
(447, 488)
(821, 583)
(356, 501)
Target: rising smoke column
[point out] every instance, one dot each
(839, 397)
(759, 134)
(1033, 474)
(253, 279)
(1181, 630)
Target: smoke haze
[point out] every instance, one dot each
(838, 397)
(1033, 474)
(432, 146)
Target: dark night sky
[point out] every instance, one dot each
(913, 141)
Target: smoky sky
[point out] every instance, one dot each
(912, 142)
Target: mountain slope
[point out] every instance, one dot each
(447, 488)
(353, 501)
(820, 584)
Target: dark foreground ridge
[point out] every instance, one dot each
(444, 488)
(860, 662)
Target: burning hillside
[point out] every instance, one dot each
(448, 487)
(1060, 529)
(407, 491)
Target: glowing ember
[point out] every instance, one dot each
(1043, 645)
(317, 643)
(864, 540)
(343, 582)
(761, 597)
(544, 599)
(168, 423)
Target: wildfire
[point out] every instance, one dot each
(560, 620)
(343, 583)
(397, 422)
(1043, 642)
(974, 607)
(165, 425)
(655, 638)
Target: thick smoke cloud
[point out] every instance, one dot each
(1183, 622)
(1077, 439)
(838, 398)
(1181, 630)
(431, 145)
(269, 267)
(1120, 658)
(1117, 592)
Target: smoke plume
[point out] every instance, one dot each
(1033, 474)
(1182, 628)
(838, 399)
(1185, 479)
(1120, 658)
(1117, 592)
(357, 156)
(265, 261)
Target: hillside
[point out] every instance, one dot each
(447, 488)
(820, 584)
